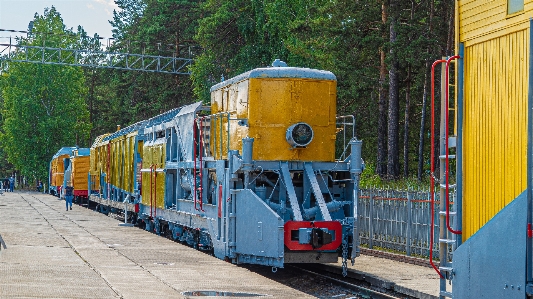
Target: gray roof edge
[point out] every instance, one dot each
(67, 150)
(278, 72)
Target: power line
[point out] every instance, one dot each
(10, 30)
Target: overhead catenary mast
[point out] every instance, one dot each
(13, 52)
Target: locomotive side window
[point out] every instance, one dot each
(514, 6)
(168, 147)
(174, 145)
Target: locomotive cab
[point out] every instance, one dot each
(283, 122)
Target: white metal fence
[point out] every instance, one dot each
(399, 221)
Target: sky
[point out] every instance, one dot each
(92, 15)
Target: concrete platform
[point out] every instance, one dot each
(53, 253)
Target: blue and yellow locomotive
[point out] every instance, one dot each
(253, 177)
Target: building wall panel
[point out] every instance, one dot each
(480, 20)
(495, 132)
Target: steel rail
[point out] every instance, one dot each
(366, 292)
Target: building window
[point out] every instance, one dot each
(514, 6)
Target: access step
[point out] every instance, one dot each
(442, 157)
(449, 213)
(447, 241)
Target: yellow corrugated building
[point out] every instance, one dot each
(495, 36)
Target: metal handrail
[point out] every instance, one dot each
(216, 122)
(457, 232)
(432, 171)
(345, 122)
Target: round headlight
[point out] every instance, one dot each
(299, 134)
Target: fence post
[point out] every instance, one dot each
(371, 220)
(409, 224)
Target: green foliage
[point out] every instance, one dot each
(342, 36)
(238, 36)
(153, 27)
(129, 13)
(371, 180)
(43, 106)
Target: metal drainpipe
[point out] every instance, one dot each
(459, 145)
(355, 171)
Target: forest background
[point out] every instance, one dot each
(380, 51)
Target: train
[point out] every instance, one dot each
(69, 166)
(268, 174)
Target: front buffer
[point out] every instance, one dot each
(312, 241)
(313, 235)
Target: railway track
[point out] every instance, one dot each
(319, 281)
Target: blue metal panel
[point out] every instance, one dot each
(492, 262)
(259, 230)
(82, 152)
